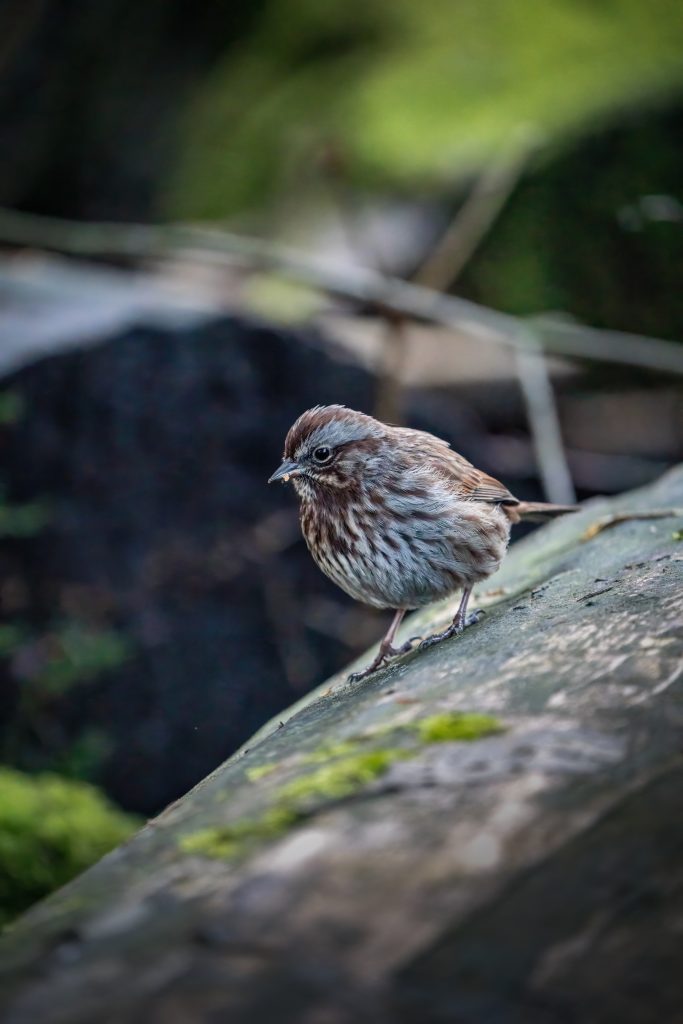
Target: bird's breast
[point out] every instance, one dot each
(404, 553)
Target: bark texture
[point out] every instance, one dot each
(372, 856)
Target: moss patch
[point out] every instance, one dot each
(50, 830)
(330, 782)
(451, 726)
(345, 768)
(344, 776)
(260, 771)
(331, 751)
(234, 840)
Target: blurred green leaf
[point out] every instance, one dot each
(12, 636)
(84, 758)
(280, 300)
(414, 93)
(23, 520)
(11, 407)
(74, 653)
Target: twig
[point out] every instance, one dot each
(394, 342)
(357, 284)
(475, 217)
(442, 268)
(394, 350)
(565, 337)
(544, 421)
(627, 517)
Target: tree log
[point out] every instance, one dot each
(487, 831)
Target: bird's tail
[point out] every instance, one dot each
(539, 511)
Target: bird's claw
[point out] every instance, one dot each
(355, 677)
(455, 629)
(436, 638)
(404, 648)
(383, 659)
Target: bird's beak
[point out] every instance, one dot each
(287, 469)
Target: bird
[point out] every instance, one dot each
(396, 518)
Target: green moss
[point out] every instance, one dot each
(50, 830)
(344, 776)
(454, 726)
(231, 841)
(331, 751)
(330, 782)
(260, 771)
(677, 535)
(345, 768)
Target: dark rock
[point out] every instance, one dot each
(152, 452)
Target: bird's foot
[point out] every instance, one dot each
(453, 630)
(393, 652)
(456, 627)
(355, 677)
(385, 655)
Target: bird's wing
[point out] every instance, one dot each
(476, 485)
(470, 483)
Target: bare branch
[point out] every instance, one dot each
(357, 284)
(474, 219)
(442, 268)
(544, 421)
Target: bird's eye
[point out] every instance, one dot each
(322, 455)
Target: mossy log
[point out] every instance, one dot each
(486, 831)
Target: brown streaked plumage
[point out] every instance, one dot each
(395, 517)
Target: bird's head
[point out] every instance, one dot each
(330, 447)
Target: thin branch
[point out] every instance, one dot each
(442, 268)
(544, 421)
(606, 522)
(394, 351)
(357, 284)
(474, 219)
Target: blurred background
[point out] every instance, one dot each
(463, 216)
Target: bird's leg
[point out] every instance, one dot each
(386, 648)
(461, 621)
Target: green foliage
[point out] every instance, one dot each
(75, 653)
(30, 518)
(11, 407)
(12, 636)
(50, 830)
(23, 520)
(84, 757)
(450, 727)
(408, 93)
(47, 666)
(581, 233)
